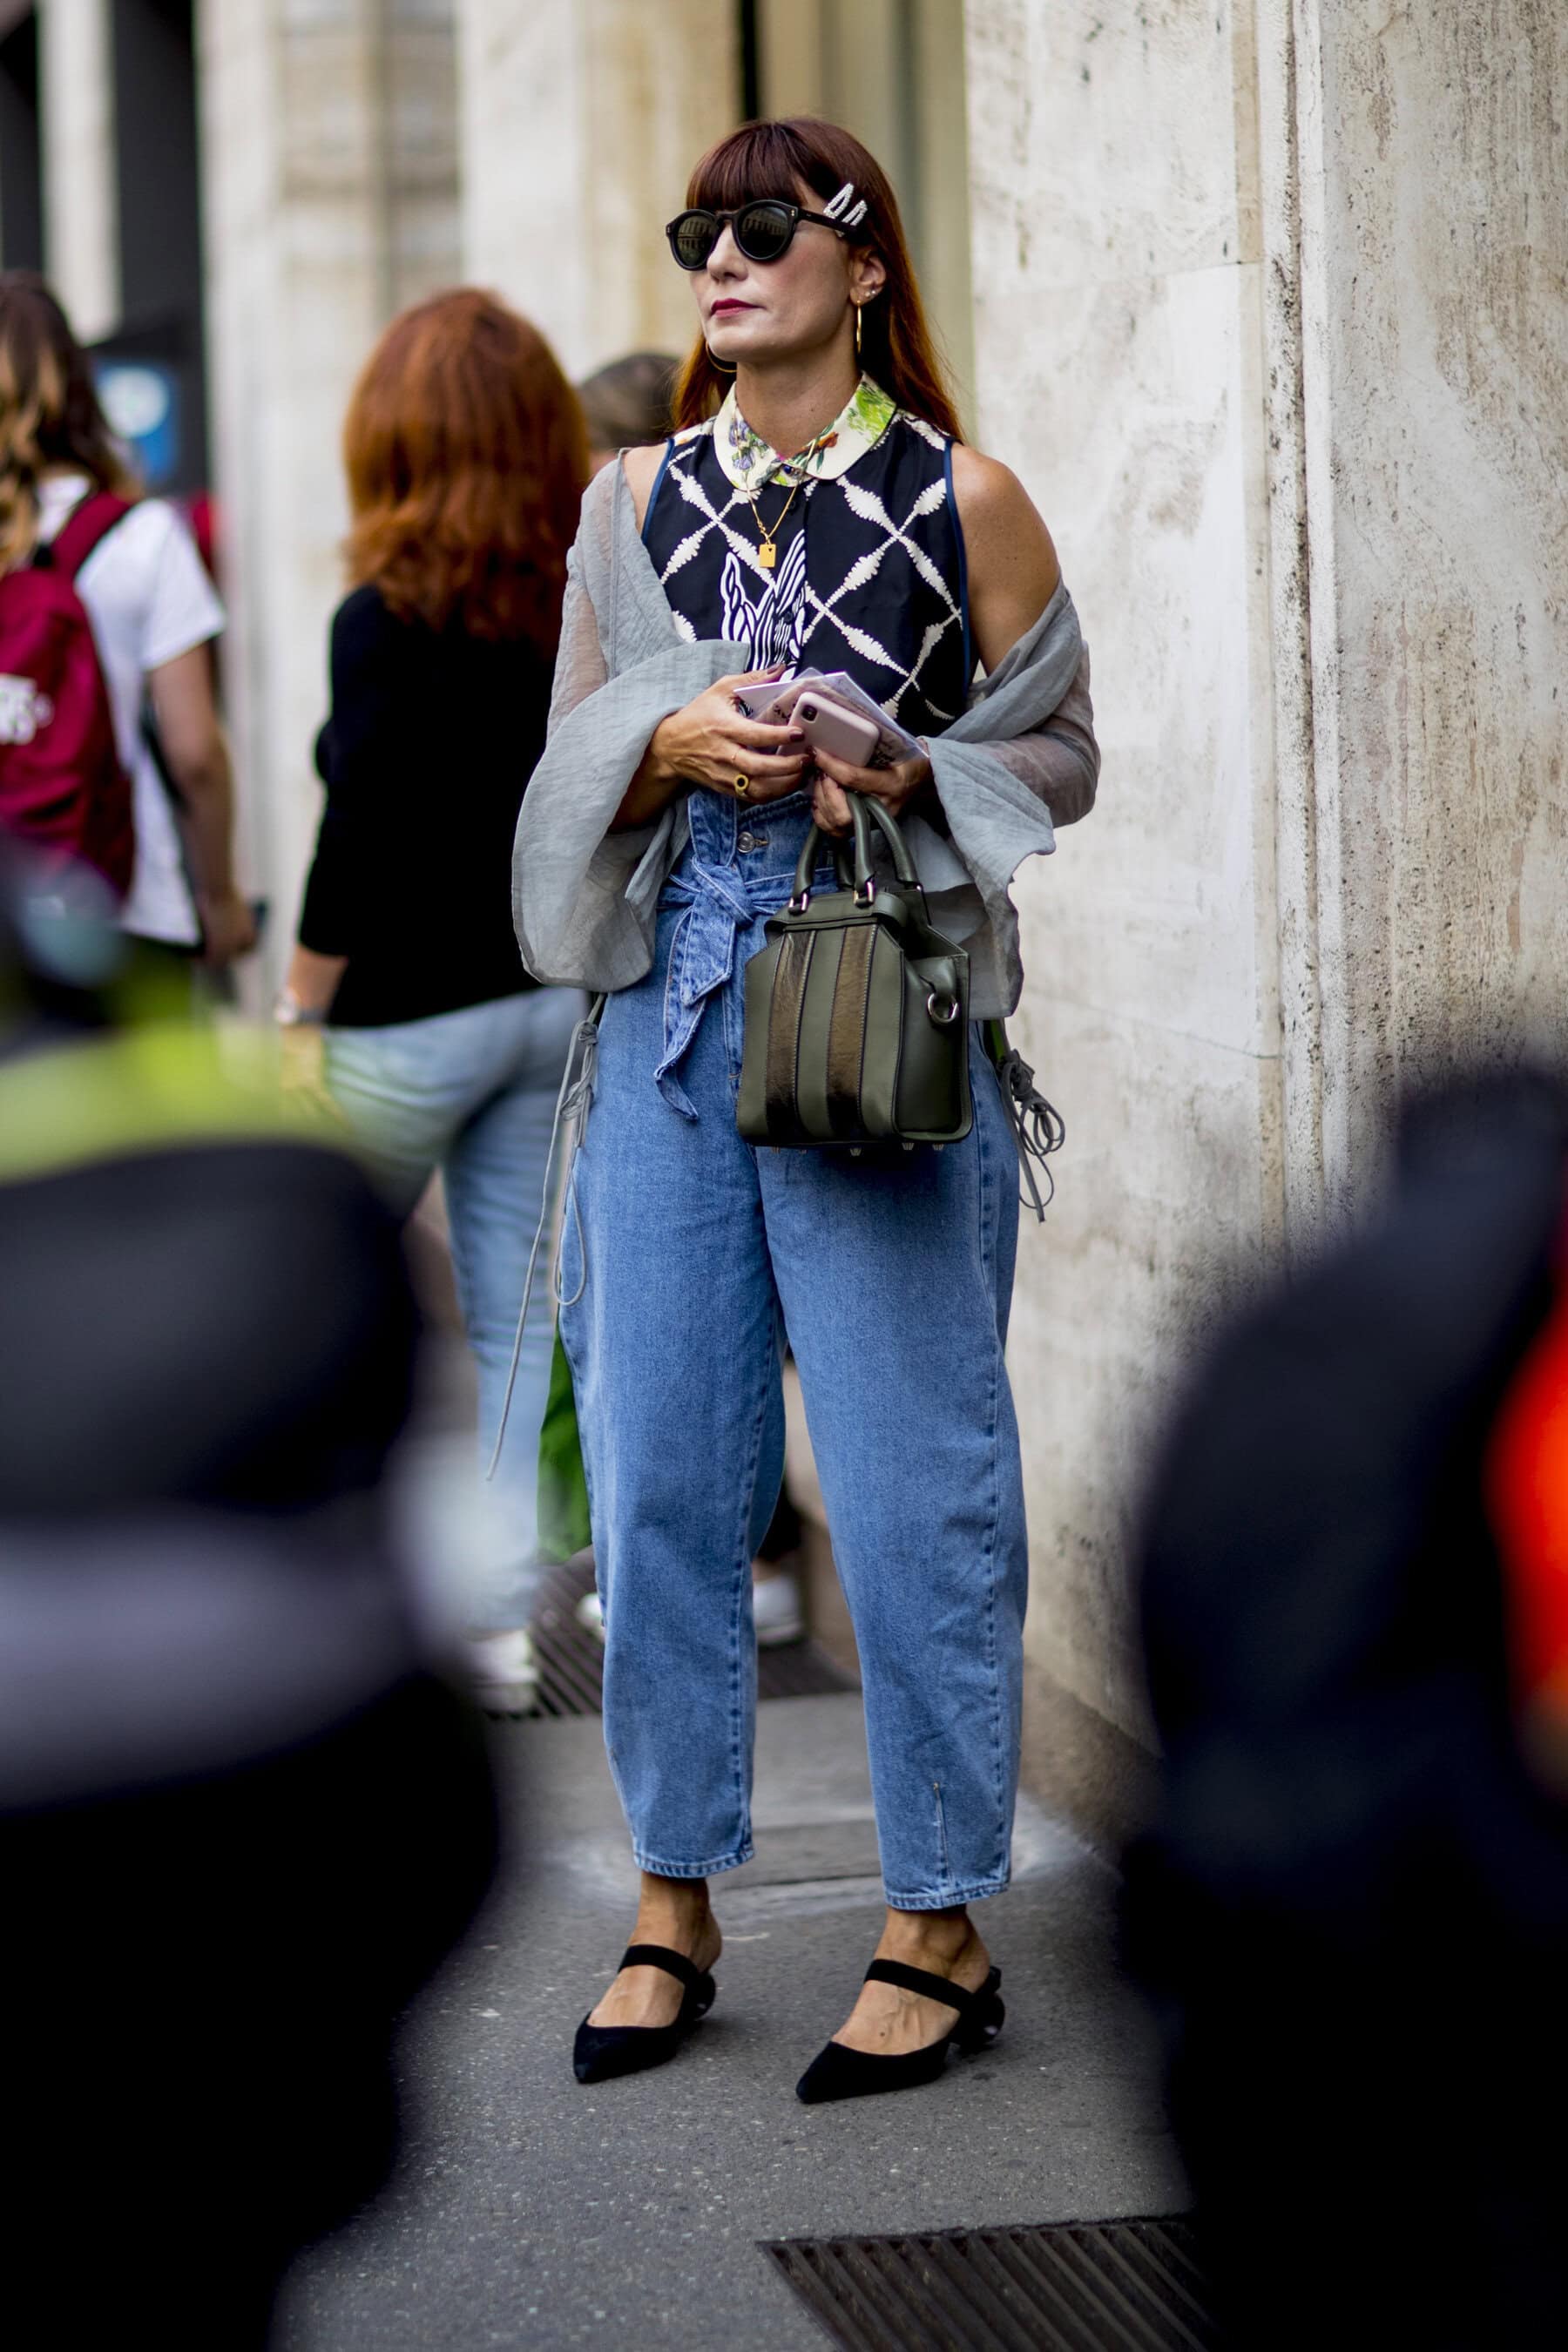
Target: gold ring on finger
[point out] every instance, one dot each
(742, 786)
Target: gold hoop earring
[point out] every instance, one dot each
(857, 330)
(718, 365)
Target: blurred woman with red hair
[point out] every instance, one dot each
(466, 457)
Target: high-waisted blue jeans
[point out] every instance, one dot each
(695, 1253)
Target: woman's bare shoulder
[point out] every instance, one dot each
(989, 494)
(1004, 532)
(640, 468)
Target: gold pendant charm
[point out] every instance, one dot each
(767, 555)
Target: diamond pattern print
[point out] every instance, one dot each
(868, 572)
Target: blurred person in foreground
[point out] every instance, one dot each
(240, 1820)
(69, 506)
(1352, 1905)
(407, 996)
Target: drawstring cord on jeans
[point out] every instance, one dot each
(572, 1105)
(1038, 1128)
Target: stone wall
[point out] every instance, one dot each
(1268, 317)
(581, 121)
(1117, 351)
(1435, 357)
(330, 174)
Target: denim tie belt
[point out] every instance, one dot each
(718, 897)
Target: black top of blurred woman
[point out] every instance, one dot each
(426, 757)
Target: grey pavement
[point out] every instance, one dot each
(529, 2211)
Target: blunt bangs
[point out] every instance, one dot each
(760, 158)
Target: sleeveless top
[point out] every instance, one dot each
(869, 578)
(869, 571)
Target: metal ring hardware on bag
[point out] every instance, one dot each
(944, 1018)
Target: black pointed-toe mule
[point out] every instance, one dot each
(602, 2051)
(838, 2072)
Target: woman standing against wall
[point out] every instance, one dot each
(828, 515)
(467, 458)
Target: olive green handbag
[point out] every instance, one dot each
(857, 1009)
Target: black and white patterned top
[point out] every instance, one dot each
(869, 571)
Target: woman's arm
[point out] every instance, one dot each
(1012, 564)
(311, 980)
(1013, 575)
(197, 756)
(1059, 762)
(640, 468)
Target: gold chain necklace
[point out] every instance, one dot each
(767, 550)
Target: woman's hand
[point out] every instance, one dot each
(302, 1071)
(228, 926)
(895, 787)
(711, 742)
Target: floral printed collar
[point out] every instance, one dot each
(748, 461)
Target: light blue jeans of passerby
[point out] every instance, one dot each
(694, 1254)
(473, 1093)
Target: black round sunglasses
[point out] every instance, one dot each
(763, 230)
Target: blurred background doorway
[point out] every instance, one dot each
(893, 72)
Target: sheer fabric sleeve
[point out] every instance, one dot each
(1058, 760)
(581, 668)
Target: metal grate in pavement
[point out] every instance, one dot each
(572, 1659)
(1070, 2287)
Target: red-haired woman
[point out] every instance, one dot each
(466, 457)
(828, 515)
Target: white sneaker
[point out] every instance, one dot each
(502, 1670)
(778, 1610)
(590, 1614)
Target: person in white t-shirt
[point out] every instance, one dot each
(154, 614)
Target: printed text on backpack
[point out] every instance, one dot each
(62, 784)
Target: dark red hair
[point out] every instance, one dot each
(467, 461)
(776, 159)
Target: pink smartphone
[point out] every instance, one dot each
(843, 734)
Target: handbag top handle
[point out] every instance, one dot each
(864, 812)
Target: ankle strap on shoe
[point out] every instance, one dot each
(930, 1988)
(657, 1956)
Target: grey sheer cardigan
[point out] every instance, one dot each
(584, 899)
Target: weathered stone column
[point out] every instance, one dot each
(76, 107)
(581, 120)
(1432, 241)
(1268, 318)
(331, 183)
(1117, 272)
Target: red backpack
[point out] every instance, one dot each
(62, 785)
